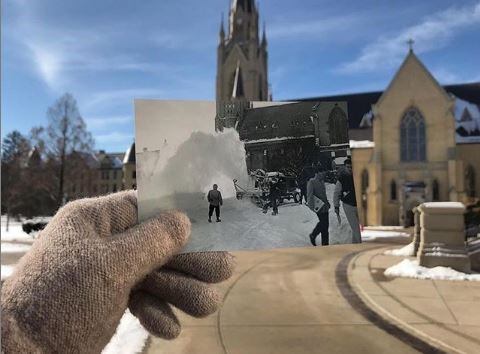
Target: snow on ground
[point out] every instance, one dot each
(15, 232)
(411, 269)
(129, 338)
(6, 271)
(370, 235)
(383, 228)
(8, 247)
(405, 251)
(244, 226)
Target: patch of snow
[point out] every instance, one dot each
(129, 338)
(15, 233)
(367, 119)
(6, 271)
(383, 227)
(467, 118)
(361, 144)
(369, 235)
(8, 247)
(405, 251)
(411, 269)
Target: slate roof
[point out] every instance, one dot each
(360, 103)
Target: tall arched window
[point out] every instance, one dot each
(470, 181)
(364, 181)
(412, 136)
(393, 190)
(435, 190)
(338, 126)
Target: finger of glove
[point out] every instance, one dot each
(190, 295)
(102, 216)
(210, 267)
(149, 245)
(155, 315)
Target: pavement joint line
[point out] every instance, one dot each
(220, 335)
(432, 320)
(444, 302)
(359, 305)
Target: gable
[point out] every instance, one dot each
(414, 79)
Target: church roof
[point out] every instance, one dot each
(359, 104)
(130, 155)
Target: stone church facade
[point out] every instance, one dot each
(416, 141)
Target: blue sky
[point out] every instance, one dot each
(108, 52)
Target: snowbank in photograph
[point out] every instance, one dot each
(405, 251)
(411, 269)
(129, 338)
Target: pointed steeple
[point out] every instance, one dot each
(264, 35)
(222, 30)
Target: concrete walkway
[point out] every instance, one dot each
(284, 301)
(445, 314)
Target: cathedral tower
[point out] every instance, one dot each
(242, 71)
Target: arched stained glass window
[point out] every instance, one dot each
(412, 136)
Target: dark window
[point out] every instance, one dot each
(134, 174)
(393, 190)
(435, 190)
(115, 174)
(412, 136)
(114, 188)
(470, 181)
(338, 126)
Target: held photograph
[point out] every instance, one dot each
(250, 175)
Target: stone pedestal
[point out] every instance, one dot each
(442, 236)
(416, 230)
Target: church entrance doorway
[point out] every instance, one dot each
(413, 194)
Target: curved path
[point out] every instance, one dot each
(286, 301)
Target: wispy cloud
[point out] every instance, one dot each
(432, 33)
(106, 98)
(320, 29)
(59, 52)
(115, 137)
(100, 123)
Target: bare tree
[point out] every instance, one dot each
(15, 149)
(66, 133)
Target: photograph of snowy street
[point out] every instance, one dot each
(248, 175)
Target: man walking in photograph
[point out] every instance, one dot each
(318, 202)
(214, 197)
(345, 192)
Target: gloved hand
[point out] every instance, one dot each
(68, 293)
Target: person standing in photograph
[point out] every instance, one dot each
(318, 202)
(302, 181)
(273, 195)
(214, 197)
(345, 192)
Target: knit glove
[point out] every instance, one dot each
(68, 293)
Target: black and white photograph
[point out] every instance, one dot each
(250, 175)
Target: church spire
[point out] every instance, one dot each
(264, 35)
(222, 31)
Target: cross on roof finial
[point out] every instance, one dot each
(410, 44)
